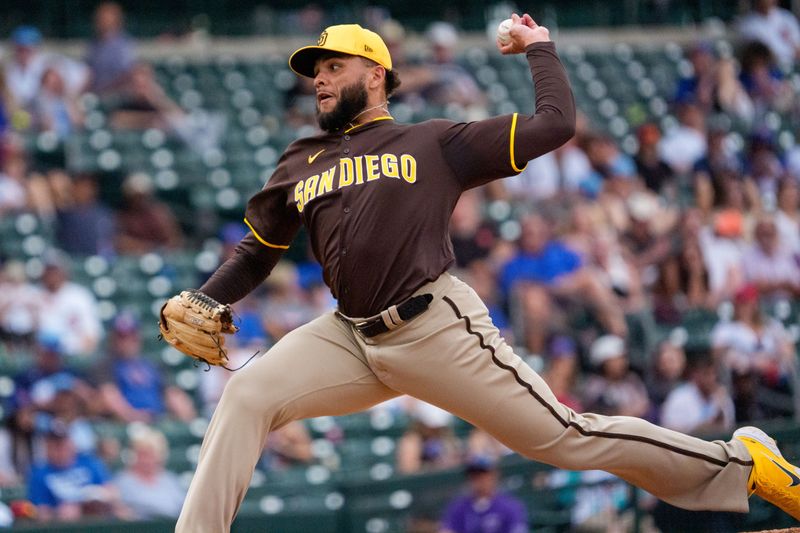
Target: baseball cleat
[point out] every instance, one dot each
(773, 477)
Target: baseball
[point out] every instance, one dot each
(502, 31)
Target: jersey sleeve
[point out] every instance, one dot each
(272, 220)
(498, 147)
(273, 223)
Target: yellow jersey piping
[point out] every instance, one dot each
(348, 130)
(511, 144)
(262, 241)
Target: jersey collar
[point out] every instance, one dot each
(376, 119)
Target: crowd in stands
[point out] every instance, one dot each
(582, 259)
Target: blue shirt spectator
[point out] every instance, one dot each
(131, 386)
(66, 485)
(52, 484)
(541, 266)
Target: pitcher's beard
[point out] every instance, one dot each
(352, 100)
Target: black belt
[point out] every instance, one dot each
(394, 316)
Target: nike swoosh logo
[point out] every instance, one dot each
(795, 477)
(311, 158)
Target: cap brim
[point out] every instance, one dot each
(303, 60)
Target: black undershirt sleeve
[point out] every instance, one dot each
(250, 264)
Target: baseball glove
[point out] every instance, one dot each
(194, 322)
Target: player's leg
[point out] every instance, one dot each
(317, 369)
(454, 357)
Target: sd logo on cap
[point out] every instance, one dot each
(349, 39)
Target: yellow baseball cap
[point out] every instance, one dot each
(349, 39)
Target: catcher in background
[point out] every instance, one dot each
(376, 198)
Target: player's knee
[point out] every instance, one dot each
(243, 391)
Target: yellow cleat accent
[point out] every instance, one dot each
(773, 477)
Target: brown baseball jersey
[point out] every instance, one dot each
(377, 197)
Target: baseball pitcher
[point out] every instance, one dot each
(376, 197)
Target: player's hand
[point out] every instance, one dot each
(524, 32)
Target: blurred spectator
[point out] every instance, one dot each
(613, 172)
(615, 390)
(764, 166)
(145, 486)
(759, 353)
(131, 386)
(683, 282)
(26, 66)
(14, 194)
(715, 171)
(65, 398)
(142, 103)
(429, 443)
(575, 166)
(484, 509)
(111, 54)
(19, 309)
(562, 371)
(286, 307)
(787, 218)
(685, 144)
(287, 446)
(8, 471)
(702, 405)
(713, 85)
(24, 70)
(52, 109)
(598, 245)
(657, 174)
(539, 180)
(665, 372)
(68, 486)
(34, 390)
(769, 264)
(67, 309)
(451, 83)
(85, 226)
(647, 238)
(722, 249)
(764, 80)
(144, 223)
(543, 269)
(775, 27)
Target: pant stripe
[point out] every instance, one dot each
(575, 425)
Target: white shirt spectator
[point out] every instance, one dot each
(161, 498)
(13, 195)
(788, 232)
(540, 180)
(71, 314)
(682, 147)
(18, 297)
(24, 83)
(686, 409)
(778, 30)
(762, 268)
(745, 348)
(723, 260)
